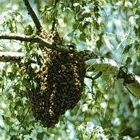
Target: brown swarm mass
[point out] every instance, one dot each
(59, 85)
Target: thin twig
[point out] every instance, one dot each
(33, 16)
(94, 77)
(23, 119)
(54, 22)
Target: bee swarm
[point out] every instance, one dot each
(59, 84)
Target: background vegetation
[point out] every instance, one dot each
(106, 111)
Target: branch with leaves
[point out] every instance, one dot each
(129, 80)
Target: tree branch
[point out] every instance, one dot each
(32, 39)
(10, 56)
(103, 65)
(33, 16)
(130, 80)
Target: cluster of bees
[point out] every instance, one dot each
(59, 82)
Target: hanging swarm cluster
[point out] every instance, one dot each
(59, 82)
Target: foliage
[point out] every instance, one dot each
(106, 110)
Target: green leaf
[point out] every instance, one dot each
(28, 30)
(40, 136)
(126, 49)
(128, 60)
